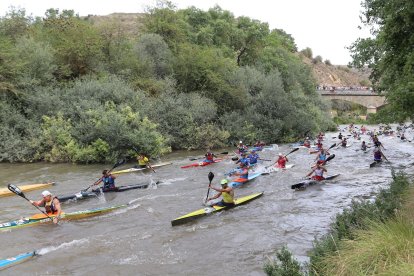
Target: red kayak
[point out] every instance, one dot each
(201, 164)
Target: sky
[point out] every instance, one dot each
(326, 26)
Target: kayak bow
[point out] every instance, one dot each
(41, 218)
(131, 170)
(304, 184)
(205, 211)
(201, 164)
(25, 188)
(16, 260)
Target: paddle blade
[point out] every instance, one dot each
(224, 152)
(330, 158)
(210, 176)
(333, 145)
(235, 158)
(16, 190)
(292, 151)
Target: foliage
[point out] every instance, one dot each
(317, 59)
(359, 216)
(389, 53)
(307, 52)
(283, 265)
(82, 90)
(328, 62)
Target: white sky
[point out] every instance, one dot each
(326, 26)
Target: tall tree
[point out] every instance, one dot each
(390, 53)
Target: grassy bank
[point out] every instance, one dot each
(366, 238)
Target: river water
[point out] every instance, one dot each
(139, 240)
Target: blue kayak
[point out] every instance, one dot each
(16, 260)
(239, 181)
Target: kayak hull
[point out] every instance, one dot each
(95, 193)
(239, 182)
(25, 188)
(205, 211)
(201, 164)
(131, 170)
(41, 218)
(16, 260)
(307, 183)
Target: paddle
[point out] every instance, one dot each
(210, 178)
(292, 151)
(117, 164)
(196, 158)
(18, 192)
(333, 145)
(329, 158)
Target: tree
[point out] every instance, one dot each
(390, 52)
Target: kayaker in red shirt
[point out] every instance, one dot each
(281, 161)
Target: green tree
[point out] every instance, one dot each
(390, 52)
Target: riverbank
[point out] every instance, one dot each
(369, 237)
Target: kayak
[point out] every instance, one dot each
(41, 218)
(16, 260)
(277, 169)
(207, 210)
(304, 184)
(375, 163)
(95, 193)
(241, 181)
(25, 188)
(251, 167)
(131, 170)
(201, 164)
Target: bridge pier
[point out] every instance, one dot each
(371, 109)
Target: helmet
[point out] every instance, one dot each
(280, 154)
(241, 142)
(307, 137)
(46, 193)
(224, 182)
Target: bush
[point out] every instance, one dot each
(283, 265)
(328, 62)
(307, 52)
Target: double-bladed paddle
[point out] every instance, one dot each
(292, 151)
(117, 164)
(196, 158)
(17, 191)
(210, 178)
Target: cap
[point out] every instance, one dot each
(241, 142)
(224, 181)
(280, 154)
(46, 193)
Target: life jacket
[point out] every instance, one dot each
(253, 158)
(244, 173)
(318, 172)
(377, 155)
(281, 162)
(228, 197)
(108, 182)
(143, 161)
(50, 206)
(209, 156)
(322, 156)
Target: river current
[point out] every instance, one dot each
(139, 239)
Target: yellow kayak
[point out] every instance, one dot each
(131, 170)
(25, 188)
(207, 210)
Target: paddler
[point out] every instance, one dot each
(340, 136)
(318, 170)
(243, 171)
(321, 157)
(209, 156)
(363, 146)
(244, 160)
(253, 157)
(307, 143)
(344, 142)
(51, 204)
(143, 161)
(281, 161)
(241, 148)
(402, 136)
(108, 181)
(378, 154)
(226, 192)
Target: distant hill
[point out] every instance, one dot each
(337, 75)
(329, 75)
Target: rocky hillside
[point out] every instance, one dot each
(337, 75)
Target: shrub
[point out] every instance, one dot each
(283, 265)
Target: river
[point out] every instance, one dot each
(139, 240)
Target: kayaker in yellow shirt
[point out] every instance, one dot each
(226, 192)
(143, 162)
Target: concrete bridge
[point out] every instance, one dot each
(371, 100)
